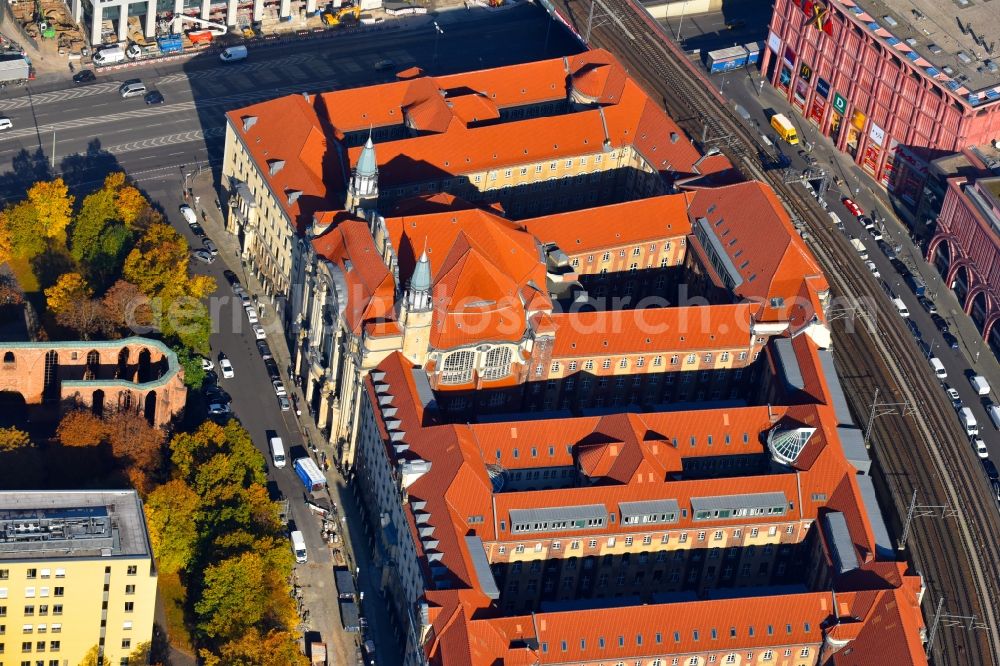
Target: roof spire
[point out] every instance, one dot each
(367, 164)
(421, 278)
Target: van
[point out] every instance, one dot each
(994, 413)
(968, 421)
(900, 307)
(109, 56)
(979, 384)
(277, 452)
(137, 89)
(785, 129)
(299, 547)
(233, 54)
(938, 367)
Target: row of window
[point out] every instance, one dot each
(647, 539)
(29, 592)
(640, 362)
(31, 574)
(658, 638)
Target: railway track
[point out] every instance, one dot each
(924, 451)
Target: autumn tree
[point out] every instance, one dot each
(91, 658)
(12, 439)
(68, 289)
(53, 206)
(6, 242)
(21, 222)
(126, 308)
(158, 265)
(170, 516)
(134, 442)
(276, 648)
(81, 428)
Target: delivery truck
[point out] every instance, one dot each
(309, 473)
(979, 384)
(860, 248)
(14, 68)
(785, 129)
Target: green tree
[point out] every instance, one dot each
(97, 211)
(194, 373)
(170, 514)
(234, 597)
(53, 206)
(12, 439)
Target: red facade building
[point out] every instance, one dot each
(966, 250)
(893, 86)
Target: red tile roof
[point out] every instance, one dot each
(626, 223)
(763, 244)
(654, 331)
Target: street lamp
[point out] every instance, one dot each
(681, 23)
(437, 33)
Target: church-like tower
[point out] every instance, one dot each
(362, 192)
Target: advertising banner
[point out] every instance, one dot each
(799, 97)
(839, 104)
(789, 57)
(816, 110)
(784, 79)
(872, 154)
(774, 43)
(822, 87)
(805, 72)
(876, 134)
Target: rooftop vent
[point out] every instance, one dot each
(890, 21)
(934, 48)
(248, 122)
(274, 166)
(293, 196)
(964, 57)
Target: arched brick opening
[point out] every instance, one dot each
(9, 358)
(13, 409)
(50, 390)
(97, 403)
(940, 255)
(123, 357)
(145, 371)
(149, 409)
(125, 401)
(93, 365)
(978, 308)
(959, 281)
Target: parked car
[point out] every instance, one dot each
(251, 314)
(258, 332)
(215, 394)
(873, 268)
(203, 256)
(206, 364)
(188, 213)
(227, 368)
(950, 339)
(914, 331)
(927, 304)
(216, 409)
(980, 446)
(84, 76)
(939, 322)
(210, 246)
(956, 400)
(852, 207)
(991, 470)
(284, 403)
(279, 387)
(272, 369)
(230, 277)
(265, 351)
(197, 230)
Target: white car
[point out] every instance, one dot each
(279, 388)
(980, 446)
(227, 368)
(953, 395)
(206, 364)
(218, 409)
(873, 268)
(188, 214)
(251, 314)
(6, 123)
(258, 332)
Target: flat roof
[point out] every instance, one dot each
(932, 30)
(67, 524)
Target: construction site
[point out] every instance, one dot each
(52, 32)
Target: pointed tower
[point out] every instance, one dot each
(416, 312)
(362, 192)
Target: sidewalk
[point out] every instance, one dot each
(356, 544)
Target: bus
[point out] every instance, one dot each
(784, 128)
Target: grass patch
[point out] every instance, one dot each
(25, 276)
(173, 596)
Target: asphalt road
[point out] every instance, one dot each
(94, 130)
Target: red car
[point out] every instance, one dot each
(854, 208)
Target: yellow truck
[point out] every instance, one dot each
(784, 128)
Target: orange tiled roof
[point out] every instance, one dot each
(370, 286)
(626, 223)
(763, 244)
(617, 332)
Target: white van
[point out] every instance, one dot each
(968, 421)
(277, 452)
(134, 89)
(901, 307)
(234, 54)
(994, 413)
(980, 384)
(938, 367)
(299, 547)
(109, 56)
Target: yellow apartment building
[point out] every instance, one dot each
(76, 571)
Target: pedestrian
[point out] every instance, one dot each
(71, 68)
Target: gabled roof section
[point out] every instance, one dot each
(778, 271)
(598, 76)
(614, 225)
(288, 143)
